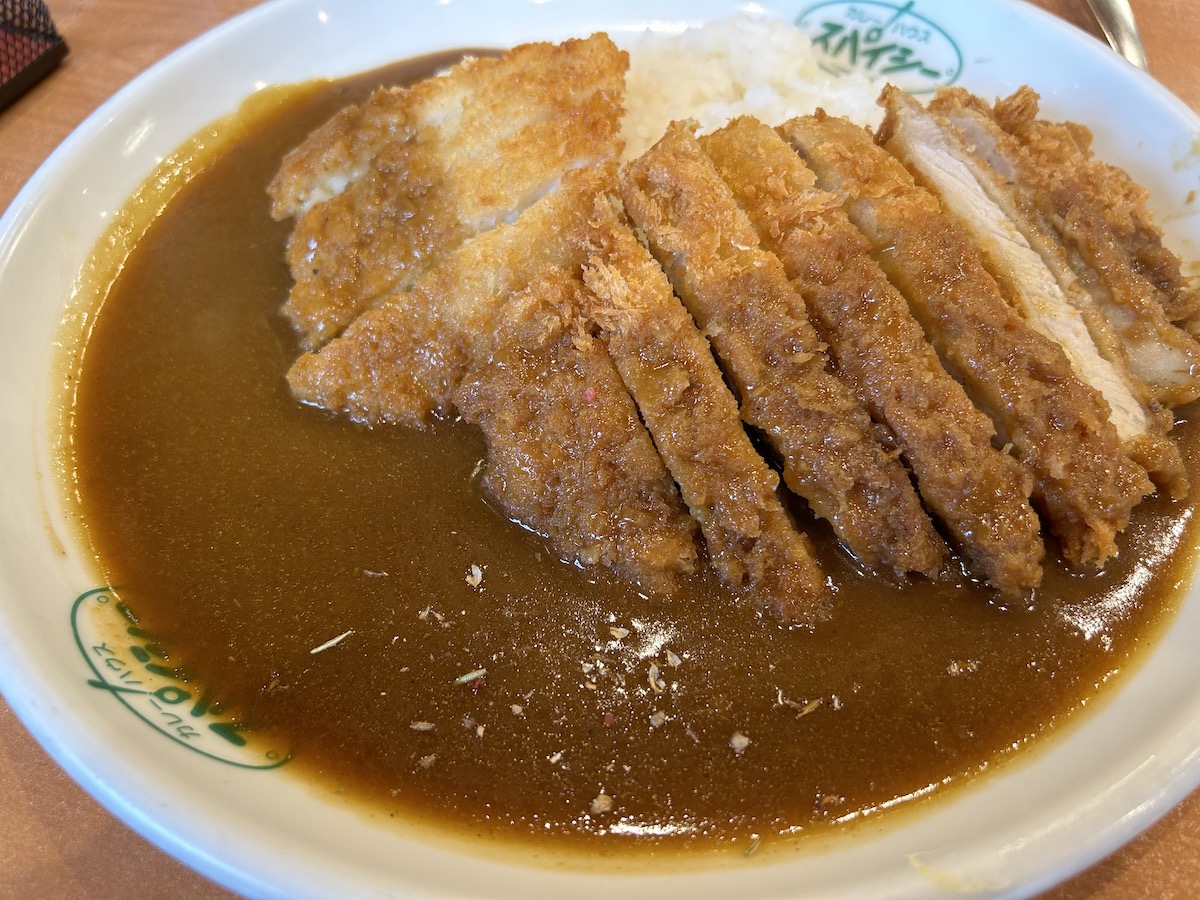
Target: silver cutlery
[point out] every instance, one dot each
(1117, 22)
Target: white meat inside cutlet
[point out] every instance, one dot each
(1085, 481)
(980, 493)
(1107, 194)
(382, 194)
(1053, 208)
(1031, 266)
(941, 164)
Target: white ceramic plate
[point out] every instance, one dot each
(264, 833)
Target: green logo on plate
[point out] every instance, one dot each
(132, 666)
(887, 41)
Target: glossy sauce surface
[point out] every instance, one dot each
(353, 590)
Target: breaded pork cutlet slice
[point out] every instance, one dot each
(383, 193)
(1105, 193)
(1058, 425)
(979, 492)
(669, 369)
(490, 333)
(1050, 203)
(1064, 313)
(757, 324)
(401, 361)
(567, 455)
(338, 153)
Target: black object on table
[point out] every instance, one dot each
(30, 47)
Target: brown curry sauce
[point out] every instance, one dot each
(318, 578)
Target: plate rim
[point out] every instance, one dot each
(1185, 776)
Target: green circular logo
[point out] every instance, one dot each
(132, 666)
(887, 41)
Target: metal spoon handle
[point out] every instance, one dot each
(1117, 22)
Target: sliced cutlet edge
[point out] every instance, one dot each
(1107, 193)
(668, 367)
(1058, 425)
(980, 493)
(1063, 312)
(338, 153)
(471, 149)
(567, 453)
(757, 325)
(401, 361)
(1053, 208)
(494, 334)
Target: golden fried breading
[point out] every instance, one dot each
(669, 369)
(494, 333)
(1061, 310)
(459, 248)
(980, 493)
(567, 455)
(1051, 204)
(1059, 426)
(401, 361)
(1094, 190)
(448, 158)
(740, 297)
(338, 153)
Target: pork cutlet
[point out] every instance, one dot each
(669, 369)
(1053, 203)
(1058, 425)
(1020, 261)
(980, 493)
(740, 298)
(385, 191)
(915, 344)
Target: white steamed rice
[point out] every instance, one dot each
(739, 66)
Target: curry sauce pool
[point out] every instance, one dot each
(429, 659)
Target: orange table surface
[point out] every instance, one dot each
(55, 840)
